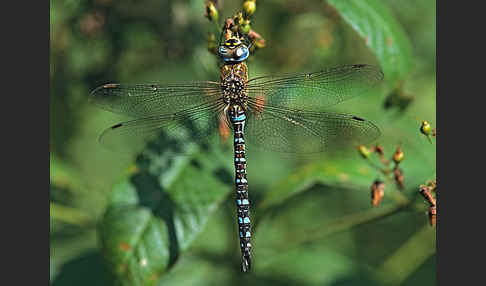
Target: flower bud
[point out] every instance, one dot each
(425, 191)
(249, 7)
(364, 152)
(211, 11)
(377, 192)
(432, 215)
(398, 156)
(238, 18)
(245, 27)
(380, 150)
(425, 128)
(259, 43)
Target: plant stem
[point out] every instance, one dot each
(352, 220)
(409, 257)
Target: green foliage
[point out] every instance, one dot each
(162, 207)
(339, 172)
(169, 219)
(381, 33)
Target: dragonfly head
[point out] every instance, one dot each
(233, 47)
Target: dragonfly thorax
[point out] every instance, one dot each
(234, 90)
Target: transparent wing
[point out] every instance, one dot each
(313, 91)
(190, 125)
(141, 100)
(296, 131)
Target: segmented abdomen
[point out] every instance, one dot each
(238, 119)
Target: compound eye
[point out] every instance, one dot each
(222, 50)
(240, 51)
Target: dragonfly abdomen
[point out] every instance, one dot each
(238, 118)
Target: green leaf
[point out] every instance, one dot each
(385, 37)
(346, 172)
(154, 215)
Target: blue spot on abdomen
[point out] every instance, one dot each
(238, 118)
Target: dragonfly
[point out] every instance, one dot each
(277, 113)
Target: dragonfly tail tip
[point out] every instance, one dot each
(246, 263)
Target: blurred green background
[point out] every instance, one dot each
(316, 225)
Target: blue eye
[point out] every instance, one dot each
(242, 53)
(222, 51)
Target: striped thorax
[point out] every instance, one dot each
(233, 84)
